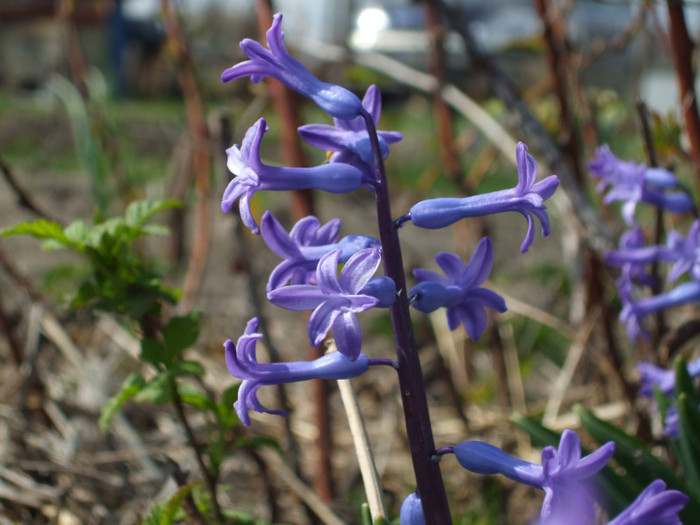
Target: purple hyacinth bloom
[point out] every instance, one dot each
(304, 246)
(335, 300)
(412, 511)
(564, 475)
(654, 506)
(664, 379)
(252, 176)
(527, 198)
(348, 139)
(633, 183)
(634, 311)
(276, 62)
(632, 258)
(459, 290)
(242, 363)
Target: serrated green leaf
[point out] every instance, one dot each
(153, 352)
(131, 386)
(181, 332)
(139, 212)
(193, 396)
(183, 368)
(157, 390)
(41, 229)
(76, 232)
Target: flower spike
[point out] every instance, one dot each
(251, 175)
(276, 62)
(527, 198)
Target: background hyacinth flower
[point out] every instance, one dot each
(527, 198)
(564, 475)
(655, 505)
(335, 299)
(633, 183)
(276, 62)
(664, 379)
(634, 311)
(348, 139)
(251, 175)
(459, 290)
(632, 258)
(242, 363)
(304, 246)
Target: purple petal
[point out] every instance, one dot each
(359, 270)
(276, 237)
(321, 321)
(297, 297)
(347, 335)
(327, 273)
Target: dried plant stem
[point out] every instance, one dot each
(368, 469)
(682, 51)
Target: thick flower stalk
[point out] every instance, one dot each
(634, 311)
(633, 183)
(251, 175)
(304, 246)
(276, 62)
(349, 140)
(563, 475)
(337, 298)
(242, 363)
(459, 291)
(527, 198)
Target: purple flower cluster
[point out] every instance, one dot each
(632, 183)
(336, 280)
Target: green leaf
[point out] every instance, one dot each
(76, 232)
(684, 383)
(131, 386)
(153, 352)
(193, 396)
(180, 333)
(540, 435)
(689, 427)
(166, 512)
(139, 212)
(157, 390)
(630, 453)
(183, 368)
(41, 229)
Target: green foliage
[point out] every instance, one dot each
(132, 385)
(168, 511)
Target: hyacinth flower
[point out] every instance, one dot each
(563, 475)
(655, 505)
(527, 198)
(412, 511)
(338, 297)
(349, 139)
(633, 255)
(633, 183)
(664, 379)
(242, 363)
(304, 246)
(276, 62)
(251, 175)
(634, 311)
(459, 290)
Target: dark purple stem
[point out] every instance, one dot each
(430, 486)
(444, 450)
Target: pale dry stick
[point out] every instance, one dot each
(448, 348)
(299, 488)
(572, 361)
(515, 306)
(514, 379)
(363, 450)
